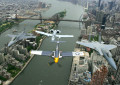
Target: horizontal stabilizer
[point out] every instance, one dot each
(110, 47)
(60, 36)
(59, 41)
(72, 54)
(11, 35)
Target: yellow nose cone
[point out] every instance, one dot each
(56, 60)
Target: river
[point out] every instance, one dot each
(38, 72)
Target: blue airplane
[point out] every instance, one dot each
(21, 36)
(102, 49)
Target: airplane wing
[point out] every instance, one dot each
(110, 47)
(11, 35)
(72, 54)
(45, 53)
(47, 34)
(86, 44)
(99, 51)
(59, 36)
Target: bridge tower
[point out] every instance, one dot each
(57, 19)
(80, 19)
(16, 17)
(40, 17)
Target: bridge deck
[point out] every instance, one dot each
(61, 20)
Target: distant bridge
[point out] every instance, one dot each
(57, 19)
(68, 20)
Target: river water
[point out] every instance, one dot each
(38, 72)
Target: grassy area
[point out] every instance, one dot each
(2, 78)
(52, 26)
(41, 25)
(91, 51)
(62, 14)
(38, 39)
(29, 48)
(6, 25)
(26, 59)
(95, 38)
(36, 26)
(13, 70)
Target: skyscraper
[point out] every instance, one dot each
(99, 3)
(111, 4)
(103, 21)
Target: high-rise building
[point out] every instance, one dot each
(103, 21)
(117, 76)
(40, 5)
(99, 76)
(99, 3)
(99, 16)
(43, 5)
(102, 6)
(111, 4)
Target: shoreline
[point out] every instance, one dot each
(11, 26)
(70, 71)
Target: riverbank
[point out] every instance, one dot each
(59, 15)
(31, 57)
(8, 25)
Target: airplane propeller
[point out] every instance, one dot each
(51, 63)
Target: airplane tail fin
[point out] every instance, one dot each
(100, 37)
(24, 28)
(59, 41)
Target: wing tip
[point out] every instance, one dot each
(30, 52)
